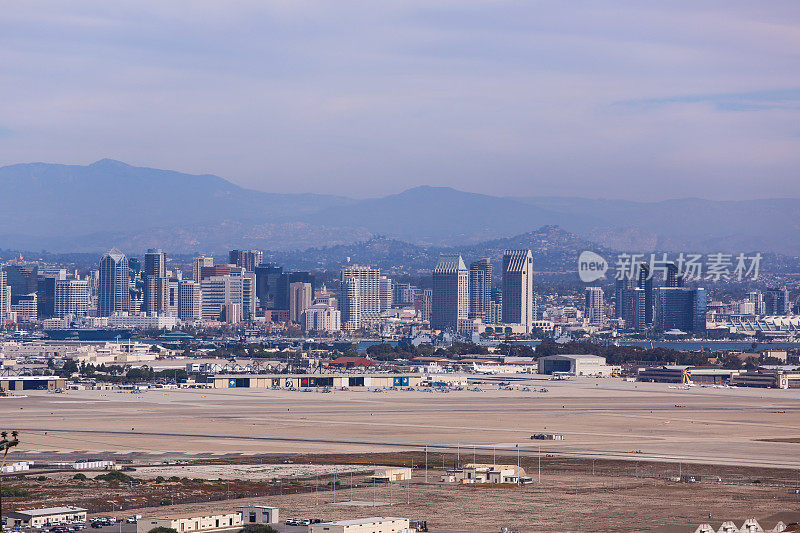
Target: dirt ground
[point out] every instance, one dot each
(572, 494)
(623, 442)
(598, 417)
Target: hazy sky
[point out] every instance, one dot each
(639, 100)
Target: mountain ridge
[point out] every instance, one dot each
(90, 207)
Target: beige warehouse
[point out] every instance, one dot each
(191, 523)
(378, 524)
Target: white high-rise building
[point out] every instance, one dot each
(72, 297)
(385, 293)
(518, 300)
(5, 299)
(321, 317)
(350, 302)
(369, 289)
(595, 307)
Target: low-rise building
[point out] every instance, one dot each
(44, 517)
(191, 523)
(485, 473)
(258, 514)
(575, 364)
(386, 475)
(378, 524)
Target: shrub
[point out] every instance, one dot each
(80, 477)
(258, 528)
(14, 492)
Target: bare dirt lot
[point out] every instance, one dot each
(599, 418)
(591, 481)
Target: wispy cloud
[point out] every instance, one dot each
(745, 101)
(615, 98)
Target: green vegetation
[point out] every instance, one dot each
(117, 476)
(80, 477)
(14, 492)
(162, 529)
(258, 528)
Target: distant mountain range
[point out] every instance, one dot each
(64, 208)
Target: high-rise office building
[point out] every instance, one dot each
(620, 287)
(114, 284)
(633, 308)
(350, 301)
(674, 277)
(480, 288)
(282, 295)
(5, 299)
(197, 267)
(72, 298)
(450, 292)
(776, 301)
(247, 259)
(155, 263)
(25, 308)
(595, 306)
(646, 283)
(189, 300)
(385, 293)
(156, 285)
(46, 297)
(22, 278)
(300, 298)
(404, 294)
(369, 289)
(267, 277)
(757, 299)
(518, 300)
(681, 308)
(425, 305)
(219, 293)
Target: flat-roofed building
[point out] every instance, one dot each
(191, 523)
(45, 516)
(575, 364)
(258, 514)
(20, 383)
(378, 524)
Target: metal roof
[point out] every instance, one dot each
(46, 511)
(360, 521)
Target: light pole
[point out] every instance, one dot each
(5, 445)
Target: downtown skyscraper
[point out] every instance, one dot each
(450, 292)
(114, 286)
(480, 289)
(518, 298)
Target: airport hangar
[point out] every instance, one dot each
(21, 383)
(302, 381)
(575, 364)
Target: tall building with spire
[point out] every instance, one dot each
(450, 292)
(114, 286)
(518, 300)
